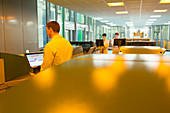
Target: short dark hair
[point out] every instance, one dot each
(104, 34)
(54, 26)
(117, 33)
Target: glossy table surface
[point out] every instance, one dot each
(95, 86)
(127, 57)
(142, 50)
(143, 41)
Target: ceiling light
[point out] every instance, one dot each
(152, 19)
(98, 18)
(112, 24)
(104, 21)
(129, 22)
(149, 22)
(167, 23)
(122, 12)
(160, 11)
(108, 23)
(164, 1)
(145, 27)
(155, 16)
(116, 4)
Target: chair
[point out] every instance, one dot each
(15, 66)
(77, 51)
(92, 49)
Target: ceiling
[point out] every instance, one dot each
(139, 10)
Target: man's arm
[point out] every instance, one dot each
(48, 58)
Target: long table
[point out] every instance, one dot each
(142, 50)
(140, 43)
(95, 84)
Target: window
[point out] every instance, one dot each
(60, 19)
(156, 32)
(52, 12)
(71, 15)
(42, 23)
(120, 30)
(67, 14)
(164, 32)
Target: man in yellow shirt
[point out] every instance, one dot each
(58, 50)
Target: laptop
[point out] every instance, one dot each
(34, 60)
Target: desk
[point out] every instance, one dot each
(93, 86)
(137, 39)
(142, 50)
(140, 43)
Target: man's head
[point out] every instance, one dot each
(52, 28)
(116, 35)
(104, 36)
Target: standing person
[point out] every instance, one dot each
(116, 37)
(105, 41)
(58, 50)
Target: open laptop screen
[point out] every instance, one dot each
(34, 59)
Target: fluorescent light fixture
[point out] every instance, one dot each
(129, 22)
(149, 22)
(167, 23)
(116, 4)
(104, 21)
(152, 20)
(112, 24)
(131, 25)
(164, 1)
(108, 23)
(98, 18)
(145, 27)
(160, 11)
(122, 12)
(155, 16)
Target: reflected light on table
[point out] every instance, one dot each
(164, 72)
(10, 17)
(46, 79)
(106, 78)
(2, 18)
(71, 106)
(29, 23)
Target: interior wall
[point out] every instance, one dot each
(20, 26)
(30, 29)
(13, 26)
(2, 47)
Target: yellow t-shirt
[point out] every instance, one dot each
(57, 51)
(106, 43)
